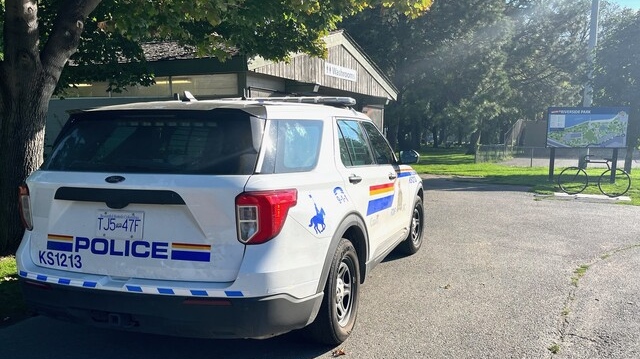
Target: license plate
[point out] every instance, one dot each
(119, 224)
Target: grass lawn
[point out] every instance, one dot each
(454, 162)
(12, 307)
(451, 162)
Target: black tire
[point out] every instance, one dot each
(413, 242)
(339, 309)
(573, 180)
(615, 187)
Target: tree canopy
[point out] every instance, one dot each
(468, 68)
(471, 67)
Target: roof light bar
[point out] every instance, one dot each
(324, 100)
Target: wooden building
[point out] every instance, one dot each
(347, 71)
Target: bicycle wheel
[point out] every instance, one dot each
(614, 186)
(573, 180)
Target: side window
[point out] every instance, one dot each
(292, 146)
(381, 150)
(354, 148)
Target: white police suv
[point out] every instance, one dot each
(221, 219)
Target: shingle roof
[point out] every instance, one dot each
(167, 50)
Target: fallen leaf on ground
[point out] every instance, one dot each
(337, 353)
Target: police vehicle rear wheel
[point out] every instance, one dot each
(339, 308)
(413, 242)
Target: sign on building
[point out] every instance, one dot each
(340, 72)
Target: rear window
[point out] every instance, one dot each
(217, 142)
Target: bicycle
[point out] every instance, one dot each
(573, 180)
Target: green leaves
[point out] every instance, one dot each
(470, 64)
(411, 9)
(617, 75)
(270, 28)
(219, 28)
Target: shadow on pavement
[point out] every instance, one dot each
(445, 183)
(81, 342)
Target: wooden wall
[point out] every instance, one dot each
(304, 68)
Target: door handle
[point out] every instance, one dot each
(355, 179)
(392, 175)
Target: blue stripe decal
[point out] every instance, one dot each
(191, 256)
(165, 291)
(233, 293)
(202, 293)
(404, 174)
(59, 246)
(379, 204)
(134, 288)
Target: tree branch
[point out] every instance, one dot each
(65, 37)
(20, 38)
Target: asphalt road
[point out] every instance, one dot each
(496, 278)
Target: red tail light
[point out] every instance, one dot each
(260, 215)
(25, 207)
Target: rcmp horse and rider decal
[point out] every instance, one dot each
(317, 221)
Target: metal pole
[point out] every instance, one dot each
(531, 162)
(587, 99)
(591, 57)
(552, 160)
(614, 165)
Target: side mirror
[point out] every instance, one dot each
(409, 157)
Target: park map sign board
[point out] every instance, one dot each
(582, 127)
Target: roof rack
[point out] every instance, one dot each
(186, 97)
(324, 100)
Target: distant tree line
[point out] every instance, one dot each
(467, 70)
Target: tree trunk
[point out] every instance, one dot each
(22, 141)
(29, 74)
(474, 142)
(434, 132)
(416, 135)
(443, 136)
(22, 111)
(392, 133)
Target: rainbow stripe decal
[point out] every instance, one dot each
(384, 197)
(57, 242)
(191, 252)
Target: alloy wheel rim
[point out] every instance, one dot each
(343, 302)
(415, 227)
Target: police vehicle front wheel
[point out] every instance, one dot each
(337, 315)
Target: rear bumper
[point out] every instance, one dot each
(172, 315)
